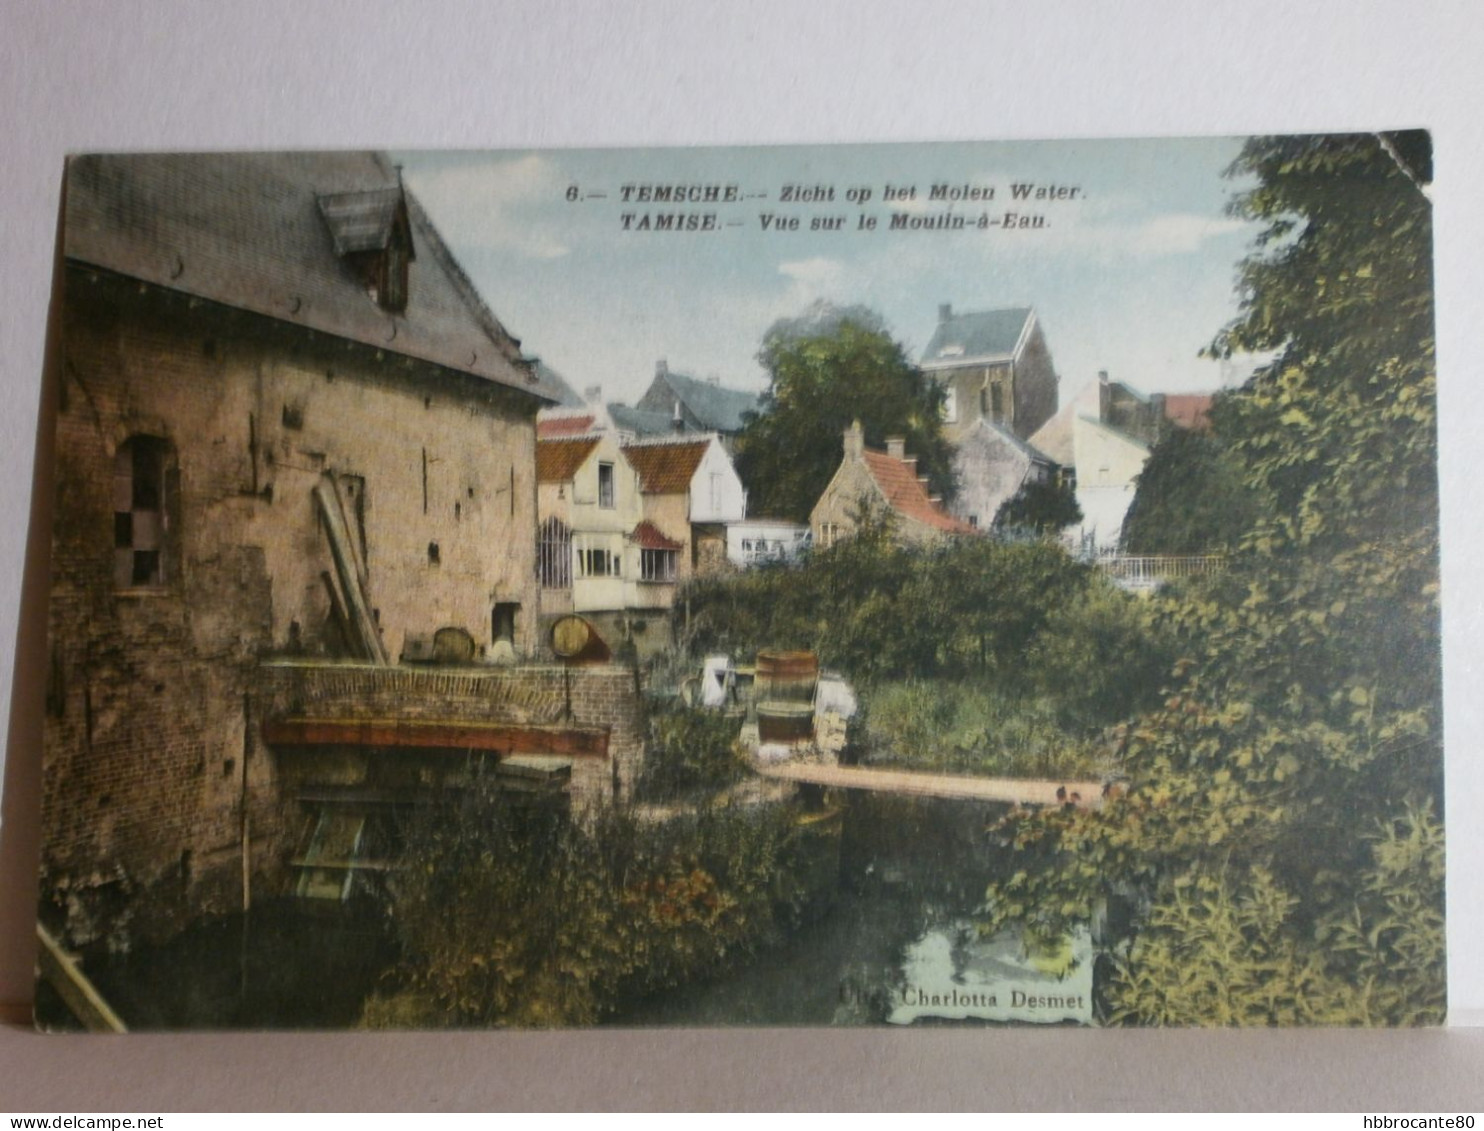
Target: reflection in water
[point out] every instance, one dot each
(287, 965)
(890, 941)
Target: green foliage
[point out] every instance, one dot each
(1220, 952)
(1102, 656)
(513, 916)
(1190, 498)
(972, 728)
(879, 610)
(1040, 507)
(828, 367)
(1306, 709)
(690, 749)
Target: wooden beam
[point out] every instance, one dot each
(1016, 791)
(65, 976)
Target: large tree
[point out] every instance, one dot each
(1190, 498)
(828, 367)
(1281, 824)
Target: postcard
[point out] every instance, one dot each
(944, 584)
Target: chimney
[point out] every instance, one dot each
(855, 441)
(714, 380)
(945, 311)
(593, 394)
(896, 447)
(661, 368)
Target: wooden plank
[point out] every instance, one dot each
(61, 970)
(913, 783)
(503, 738)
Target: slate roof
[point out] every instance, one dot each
(666, 469)
(718, 409)
(361, 221)
(560, 427)
(639, 422)
(651, 537)
(983, 335)
(248, 230)
(906, 496)
(1024, 447)
(566, 395)
(557, 461)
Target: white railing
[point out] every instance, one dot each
(1153, 570)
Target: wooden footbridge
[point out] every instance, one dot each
(915, 783)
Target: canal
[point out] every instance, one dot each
(892, 940)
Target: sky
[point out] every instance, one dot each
(1130, 268)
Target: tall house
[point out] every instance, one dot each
(675, 402)
(995, 366)
(292, 446)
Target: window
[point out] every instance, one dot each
(141, 509)
(950, 405)
(598, 561)
(992, 402)
(554, 554)
(716, 492)
(605, 485)
(657, 565)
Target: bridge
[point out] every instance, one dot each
(916, 783)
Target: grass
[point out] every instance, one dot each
(974, 728)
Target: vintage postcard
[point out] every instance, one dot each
(975, 583)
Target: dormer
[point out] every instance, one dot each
(373, 235)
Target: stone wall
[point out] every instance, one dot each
(151, 761)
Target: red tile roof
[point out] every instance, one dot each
(558, 460)
(666, 469)
(650, 537)
(561, 426)
(1189, 410)
(906, 496)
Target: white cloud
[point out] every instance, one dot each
(810, 279)
(495, 204)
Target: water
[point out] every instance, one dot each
(286, 965)
(899, 943)
(891, 939)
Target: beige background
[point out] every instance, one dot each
(279, 73)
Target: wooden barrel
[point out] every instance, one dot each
(786, 677)
(576, 641)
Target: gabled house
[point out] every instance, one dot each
(994, 365)
(686, 404)
(588, 509)
(870, 482)
(690, 492)
(1101, 440)
(991, 465)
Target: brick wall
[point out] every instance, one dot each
(602, 697)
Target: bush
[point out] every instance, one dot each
(515, 916)
(690, 749)
(971, 728)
